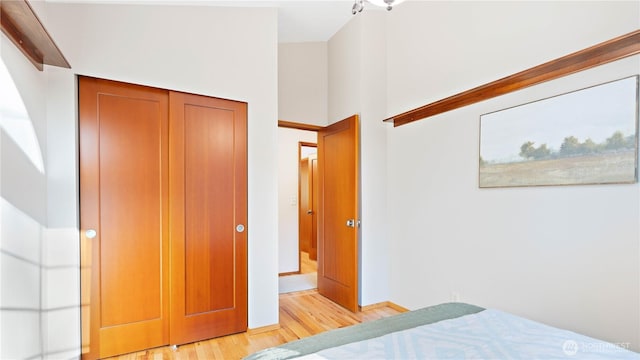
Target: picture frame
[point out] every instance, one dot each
(587, 136)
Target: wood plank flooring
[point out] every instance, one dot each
(307, 265)
(302, 314)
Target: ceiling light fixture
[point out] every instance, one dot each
(358, 5)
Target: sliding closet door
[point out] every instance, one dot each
(123, 217)
(208, 217)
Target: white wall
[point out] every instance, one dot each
(39, 293)
(288, 162)
(22, 217)
(61, 254)
(345, 78)
(566, 256)
(357, 83)
(21, 328)
(22, 183)
(302, 98)
(215, 51)
(303, 82)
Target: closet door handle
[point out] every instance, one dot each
(240, 228)
(90, 233)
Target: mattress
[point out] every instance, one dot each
(448, 331)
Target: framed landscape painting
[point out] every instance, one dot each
(589, 136)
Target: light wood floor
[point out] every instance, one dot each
(302, 314)
(307, 265)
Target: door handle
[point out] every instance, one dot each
(90, 233)
(309, 212)
(353, 223)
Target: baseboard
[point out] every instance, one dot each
(263, 329)
(289, 273)
(398, 307)
(384, 304)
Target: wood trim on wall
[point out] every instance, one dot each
(390, 304)
(608, 51)
(22, 26)
(263, 329)
(298, 126)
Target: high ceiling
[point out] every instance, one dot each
(298, 20)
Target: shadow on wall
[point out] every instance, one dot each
(15, 120)
(39, 288)
(39, 267)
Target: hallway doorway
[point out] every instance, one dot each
(297, 265)
(335, 209)
(307, 279)
(297, 218)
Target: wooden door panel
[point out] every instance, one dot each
(208, 192)
(130, 135)
(305, 227)
(209, 238)
(313, 181)
(338, 203)
(123, 175)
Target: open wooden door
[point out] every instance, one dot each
(208, 217)
(338, 221)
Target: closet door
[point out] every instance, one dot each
(208, 217)
(123, 217)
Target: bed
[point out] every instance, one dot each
(448, 331)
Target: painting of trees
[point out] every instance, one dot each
(572, 147)
(587, 136)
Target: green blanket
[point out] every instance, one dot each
(365, 331)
